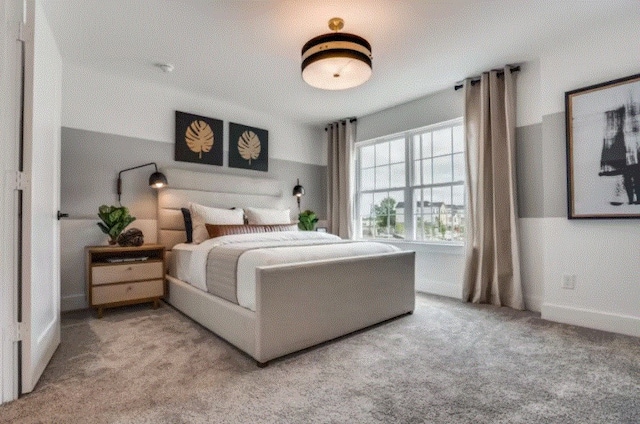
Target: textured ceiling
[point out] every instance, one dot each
(247, 52)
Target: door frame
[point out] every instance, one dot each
(11, 15)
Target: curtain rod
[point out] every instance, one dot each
(344, 122)
(475, 81)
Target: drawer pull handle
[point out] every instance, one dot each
(129, 288)
(129, 269)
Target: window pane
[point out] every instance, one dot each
(458, 167)
(367, 215)
(442, 142)
(382, 153)
(441, 195)
(442, 169)
(397, 175)
(458, 139)
(417, 202)
(417, 172)
(366, 205)
(458, 197)
(367, 179)
(442, 220)
(426, 172)
(397, 215)
(382, 177)
(426, 145)
(426, 201)
(457, 220)
(387, 213)
(397, 150)
(367, 156)
(428, 230)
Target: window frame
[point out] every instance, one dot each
(409, 187)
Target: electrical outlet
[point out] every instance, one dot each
(569, 282)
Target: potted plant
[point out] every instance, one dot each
(114, 220)
(307, 220)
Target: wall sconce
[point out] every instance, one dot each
(156, 180)
(298, 191)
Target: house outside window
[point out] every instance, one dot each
(411, 186)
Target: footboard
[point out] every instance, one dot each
(301, 305)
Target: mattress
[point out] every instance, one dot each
(189, 262)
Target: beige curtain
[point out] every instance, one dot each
(492, 269)
(341, 137)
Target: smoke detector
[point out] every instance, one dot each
(165, 67)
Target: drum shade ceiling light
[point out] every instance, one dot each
(337, 60)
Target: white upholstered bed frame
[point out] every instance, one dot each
(297, 305)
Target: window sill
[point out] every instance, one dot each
(450, 248)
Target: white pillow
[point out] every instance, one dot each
(201, 215)
(257, 216)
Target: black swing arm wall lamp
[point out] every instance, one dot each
(156, 180)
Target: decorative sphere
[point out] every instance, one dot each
(131, 237)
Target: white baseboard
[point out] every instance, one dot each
(605, 321)
(73, 302)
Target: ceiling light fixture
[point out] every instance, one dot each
(336, 61)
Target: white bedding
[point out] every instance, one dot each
(188, 261)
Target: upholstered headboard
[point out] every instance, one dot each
(209, 189)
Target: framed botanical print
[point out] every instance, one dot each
(248, 147)
(603, 149)
(198, 139)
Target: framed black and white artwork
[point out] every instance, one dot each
(603, 149)
(248, 147)
(198, 139)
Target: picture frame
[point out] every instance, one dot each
(198, 139)
(248, 147)
(603, 150)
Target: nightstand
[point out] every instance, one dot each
(119, 276)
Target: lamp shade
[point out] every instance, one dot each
(298, 190)
(336, 61)
(157, 180)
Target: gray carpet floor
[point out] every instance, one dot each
(449, 362)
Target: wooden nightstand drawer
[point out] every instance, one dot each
(129, 291)
(121, 272)
(118, 276)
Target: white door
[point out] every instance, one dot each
(41, 197)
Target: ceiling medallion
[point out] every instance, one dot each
(337, 60)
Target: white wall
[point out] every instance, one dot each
(97, 101)
(603, 254)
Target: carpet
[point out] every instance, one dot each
(449, 362)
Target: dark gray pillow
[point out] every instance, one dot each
(188, 224)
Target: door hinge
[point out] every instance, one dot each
(21, 181)
(23, 33)
(18, 332)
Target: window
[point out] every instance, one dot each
(410, 186)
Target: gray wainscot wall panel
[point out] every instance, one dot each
(529, 171)
(554, 165)
(91, 162)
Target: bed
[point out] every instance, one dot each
(296, 304)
